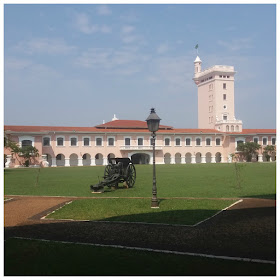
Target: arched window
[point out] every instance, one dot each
(232, 128)
(227, 128)
(218, 141)
(46, 141)
(140, 141)
(167, 141)
(111, 141)
(60, 141)
(177, 141)
(198, 142)
(73, 141)
(26, 143)
(208, 141)
(188, 141)
(237, 128)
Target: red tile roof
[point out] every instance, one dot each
(129, 127)
(128, 124)
(23, 128)
(255, 131)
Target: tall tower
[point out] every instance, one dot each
(216, 97)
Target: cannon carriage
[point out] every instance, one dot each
(119, 170)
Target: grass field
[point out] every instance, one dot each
(34, 258)
(189, 180)
(171, 211)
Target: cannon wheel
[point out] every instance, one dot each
(130, 175)
(107, 174)
(107, 170)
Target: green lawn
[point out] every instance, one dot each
(171, 211)
(188, 180)
(38, 258)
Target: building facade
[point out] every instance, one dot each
(214, 141)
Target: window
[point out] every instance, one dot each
(220, 76)
(240, 142)
(256, 140)
(60, 141)
(177, 141)
(127, 141)
(264, 141)
(218, 141)
(237, 128)
(225, 107)
(188, 141)
(224, 86)
(232, 128)
(86, 141)
(225, 117)
(208, 142)
(197, 141)
(26, 143)
(111, 141)
(98, 141)
(273, 141)
(140, 141)
(224, 97)
(73, 141)
(59, 157)
(46, 141)
(227, 128)
(167, 141)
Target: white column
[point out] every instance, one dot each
(203, 159)
(213, 159)
(183, 160)
(193, 159)
(222, 159)
(67, 162)
(172, 160)
(7, 164)
(53, 162)
(105, 161)
(229, 159)
(92, 161)
(260, 158)
(80, 161)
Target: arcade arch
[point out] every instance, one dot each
(60, 160)
(167, 158)
(177, 158)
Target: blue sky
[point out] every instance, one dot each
(77, 65)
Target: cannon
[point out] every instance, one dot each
(119, 170)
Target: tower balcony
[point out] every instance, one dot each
(229, 122)
(229, 125)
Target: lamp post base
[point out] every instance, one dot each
(154, 204)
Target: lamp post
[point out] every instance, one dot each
(153, 121)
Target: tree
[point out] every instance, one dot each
(248, 149)
(268, 150)
(28, 153)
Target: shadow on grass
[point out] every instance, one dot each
(249, 233)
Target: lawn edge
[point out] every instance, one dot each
(142, 223)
